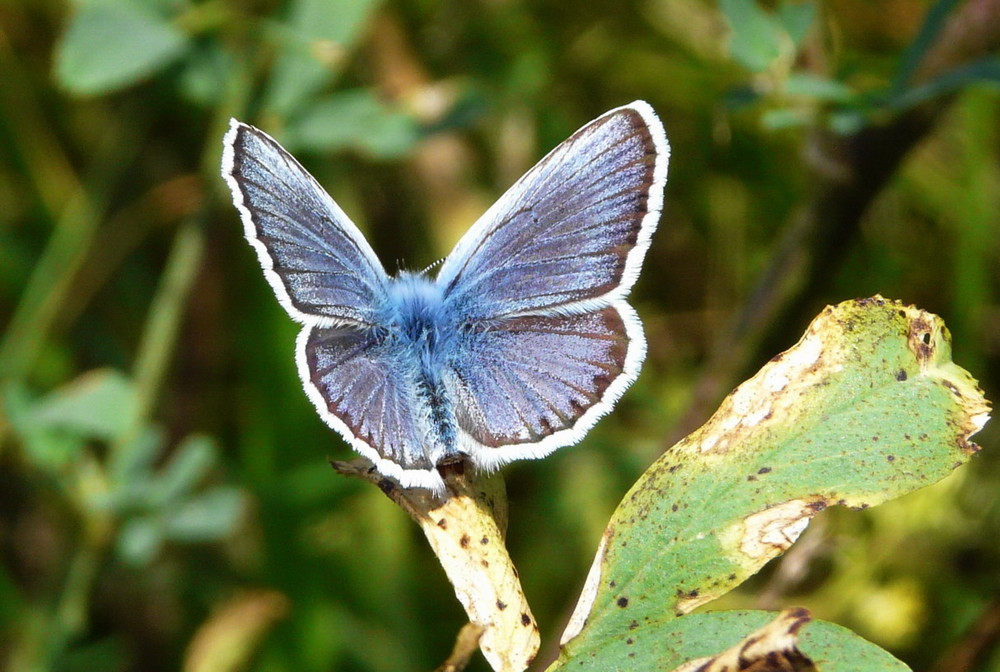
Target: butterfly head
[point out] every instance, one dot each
(415, 310)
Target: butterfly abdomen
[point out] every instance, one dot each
(424, 340)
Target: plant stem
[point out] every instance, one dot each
(76, 206)
(160, 333)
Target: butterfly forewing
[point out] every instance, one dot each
(316, 260)
(569, 235)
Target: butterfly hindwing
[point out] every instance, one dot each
(364, 387)
(317, 261)
(527, 385)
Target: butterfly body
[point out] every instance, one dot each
(416, 311)
(518, 346)
(423, 335)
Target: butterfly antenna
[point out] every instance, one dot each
(436, 263)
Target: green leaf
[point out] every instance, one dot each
(352, 119)
(187, 466)
(866, 407)
(314, 43)
(130, 471)
(208, 516)
(140, 540)
(135, 462)
(112, 45)
(756, 39)
(846, 122)
(46, 449)
(97, 405)
(818, 88)
(666, 645)
(983, 71)
(796, 18)
(784, 117)
(205, 74)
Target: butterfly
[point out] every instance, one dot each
(522, 341)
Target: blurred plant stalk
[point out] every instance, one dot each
(849, 173)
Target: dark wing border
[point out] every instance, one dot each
(408, 478)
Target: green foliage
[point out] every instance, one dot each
(167, 505)
(313, 42)
(759, 37)
(985, 71)
(666, 645)
(114, 44)
(866, 407)
(159, 458)
(353, 120)
(55, 428)
(931, 29)
(769, 43)
(154, 505)
(756, 41)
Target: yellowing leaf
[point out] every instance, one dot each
(866, 407)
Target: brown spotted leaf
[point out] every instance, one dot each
(866, 407)
(773, 648)
(744, 641)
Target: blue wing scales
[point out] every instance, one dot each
(364, 388)
(528, 385)
(539, 283)
(570, 235)
(319, 264)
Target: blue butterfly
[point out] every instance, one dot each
(518, 346)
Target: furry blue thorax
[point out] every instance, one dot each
(415, 313)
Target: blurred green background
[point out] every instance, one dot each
(165, 498)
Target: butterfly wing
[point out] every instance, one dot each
(327, 276)
(528, 385)
(320, 266)
(571, 234)
(548, 342)
(364, 388)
